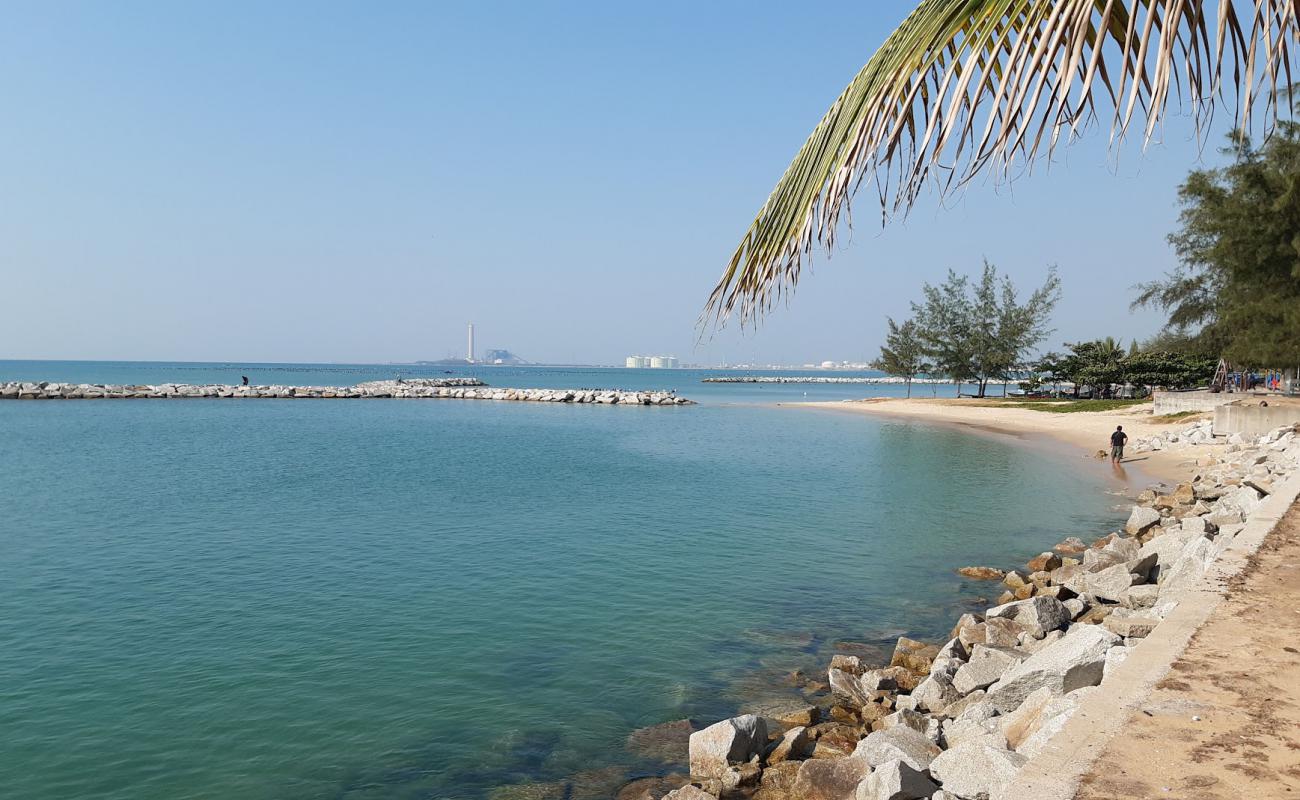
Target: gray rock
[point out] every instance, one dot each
(1143, 596)
(1110, 584)
(907, 718)
(1029, 645)
(1037, 614)
(899, 742)
(935, 693)
(1051, 720)
(1098, 560)
(1188, 570)
(1246, 499)
(973, 706)
(975, 770)
(1130, 627)
(896, 780)
(987, 664)
(1167, 548)
(732, 741)
(1126, 547)
(962, 730)
(1076, 661)
(1140, 519)
(1224, 515)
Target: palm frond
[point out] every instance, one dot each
(964, 87)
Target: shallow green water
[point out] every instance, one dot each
(393, 599)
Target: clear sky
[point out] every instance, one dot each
(356, 181)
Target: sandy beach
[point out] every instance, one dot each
(1088, 431)
(1212, 728)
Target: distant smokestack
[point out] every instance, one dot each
(469, 355)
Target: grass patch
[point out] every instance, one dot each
(1063, 406)
(1177, 416)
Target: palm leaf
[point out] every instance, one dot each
(970, 86)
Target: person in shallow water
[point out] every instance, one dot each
(1117, 440)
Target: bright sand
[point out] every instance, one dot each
(1089, 431)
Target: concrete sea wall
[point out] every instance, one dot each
(1165, 402)
(1250, 419)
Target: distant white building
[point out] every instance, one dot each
(651, 362)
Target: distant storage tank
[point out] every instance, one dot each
(633, 362)
(658, 362)
(670, 362)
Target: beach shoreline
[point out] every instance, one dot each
(1022, 699)
(1085, 432)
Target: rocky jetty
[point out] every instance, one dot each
(957, 721)
(449, 388)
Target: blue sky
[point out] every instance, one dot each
(354, 182)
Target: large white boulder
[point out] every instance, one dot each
(935, 693)
(965, 729)
(975, 770)
(732, 741)
(987, 664)
(896, 780)
(897, 743)
(1187, 570)
(1140, 519)
(1076, 661)
(1110, 584)
(1038, 615)
(1050, 720)
(1245, 499)
(1169, 546)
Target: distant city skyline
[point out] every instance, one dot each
(341, 191)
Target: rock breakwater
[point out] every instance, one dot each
(442, 388)
(958, 721)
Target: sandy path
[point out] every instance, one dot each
(1241, 677)
(1088, 431)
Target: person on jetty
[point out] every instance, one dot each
(1117, 440)
(245, 377)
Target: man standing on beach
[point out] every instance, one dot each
(1117, 440)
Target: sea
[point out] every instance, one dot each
(465, 599)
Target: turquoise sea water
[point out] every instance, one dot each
(430, 599)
